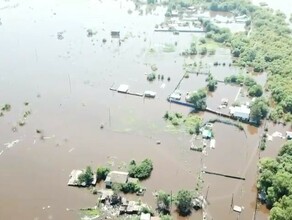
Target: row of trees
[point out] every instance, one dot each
(183, 201)
(254, 89)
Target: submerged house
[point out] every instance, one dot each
(207, 134)
(116, 177)
(115, 34)
(149, 94)
(241, 112)
(123, 88)
(74, 179)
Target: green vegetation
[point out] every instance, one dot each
(86, 177)
(141, 171)
(275, 183)
(254, 89)
(101, 173)
(198, 98)
(184, 202)
(203, 51)
(151, 1)
(166, 217)
(90, 212)
(6, 108)
(219, 35)
(258, 110)
(191, 123)
(130, 187)
(163, 202)
(151, 76)
(212, 83)
(169, 48)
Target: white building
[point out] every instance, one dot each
(241, 112)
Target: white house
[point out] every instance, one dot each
(241, 112)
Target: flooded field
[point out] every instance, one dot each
(64, 74)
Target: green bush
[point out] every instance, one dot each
(101, 173)
(151, 77)
(86, 177)
(141, 171)
(130, 188)
(184, 202)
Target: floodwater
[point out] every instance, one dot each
(66, 82)
(283, 5)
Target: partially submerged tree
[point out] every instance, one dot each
(163, 202)
(86, 177)
(140, 171)
(101, 173)
(184, 202)
(258, 110)
(199, 99)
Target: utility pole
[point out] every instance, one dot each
(69, 79)
(207, 192)
(109, 116)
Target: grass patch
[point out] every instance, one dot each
(168, 48)
(90, 212)
(190, 123)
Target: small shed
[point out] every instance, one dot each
(116, 177)
(133, 207)
(145, 216)
(207, 134)
(237, 209)
(115, 34)
(289, 135)
(175, 96)
(73, 181)
(149, 94)
(123, 88)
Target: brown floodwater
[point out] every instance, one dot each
(66, 82)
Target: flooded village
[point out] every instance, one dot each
(109, 85)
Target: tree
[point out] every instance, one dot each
(193, 49)
(203, 51)
(236, 52)
(255, 90)
(163, 202)
(212, 85)
(258, 110)
(141, 171)
(130, 187)
(184, 202)
(199, 100)
(101, 173)
(86, 177)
